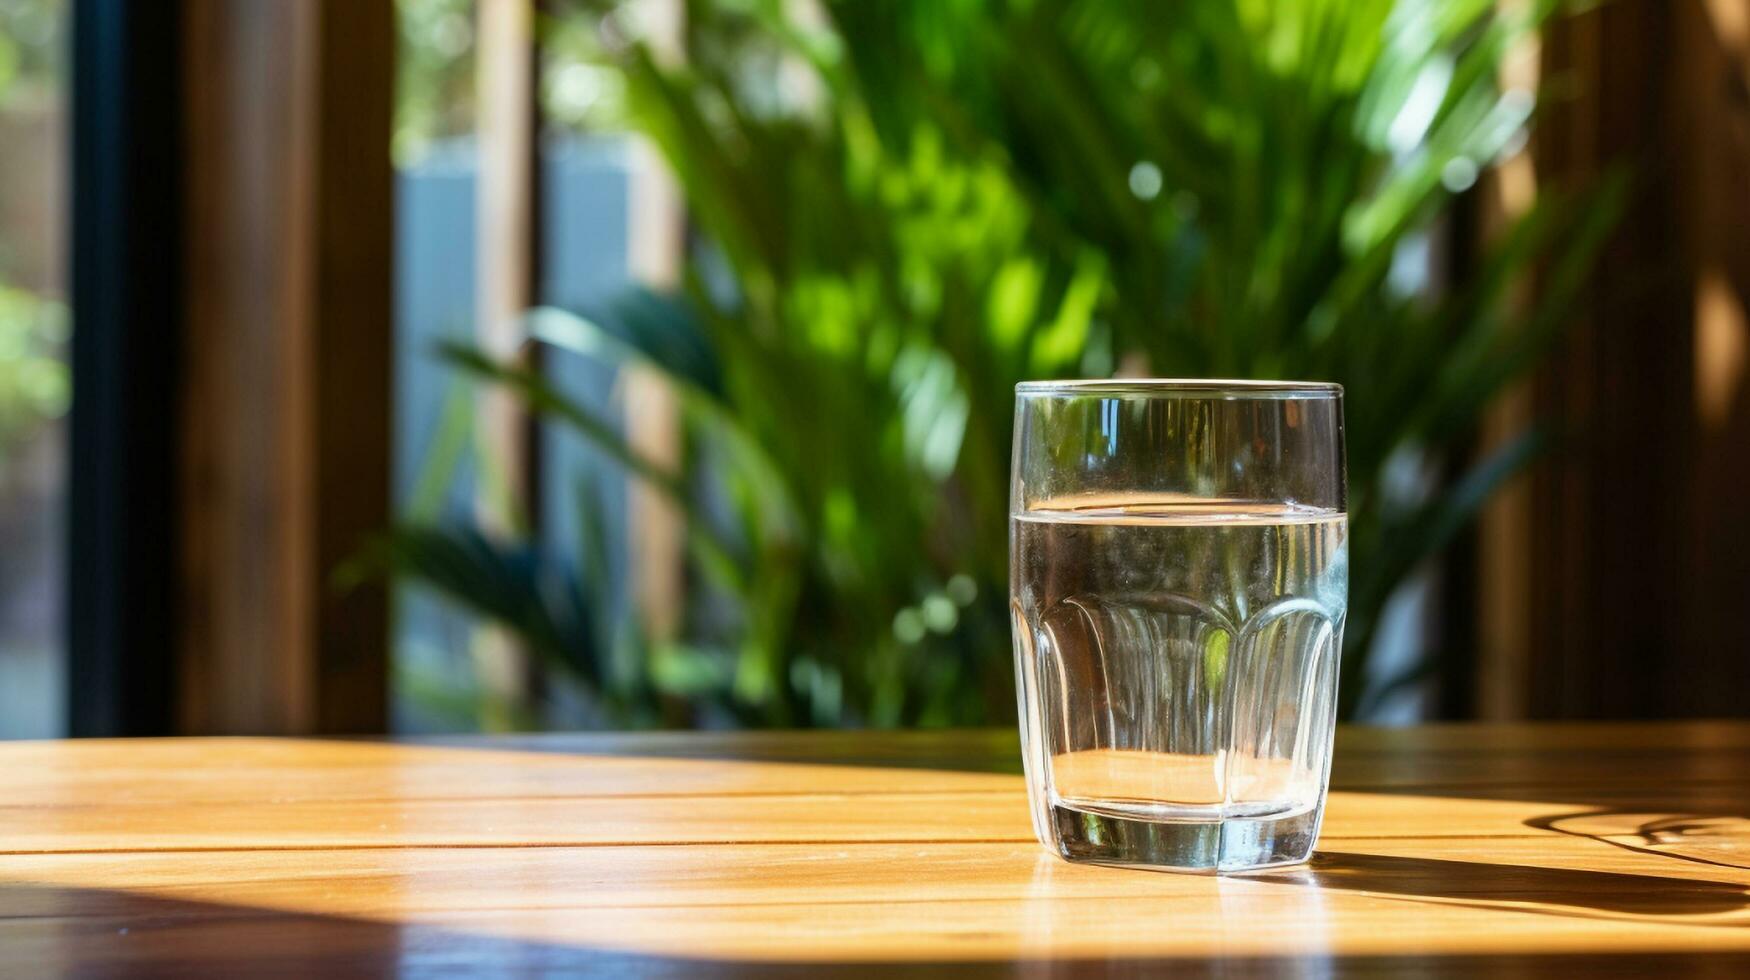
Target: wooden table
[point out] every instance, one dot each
(1543, 850)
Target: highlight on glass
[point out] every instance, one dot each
(1178, 581)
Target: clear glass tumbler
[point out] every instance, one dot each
(1178, 575)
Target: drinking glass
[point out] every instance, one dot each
(1178, 572)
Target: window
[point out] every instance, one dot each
(35, 383)
(596, 194)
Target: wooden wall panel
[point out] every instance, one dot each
(1715, 183)
(1632, 542)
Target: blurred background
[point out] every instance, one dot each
(454, 365)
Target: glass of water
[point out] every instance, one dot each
(1178, 576)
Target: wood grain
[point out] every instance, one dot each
(1518, 849)
(1645, 621)
(285, 390)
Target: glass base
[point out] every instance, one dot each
(1237, 843)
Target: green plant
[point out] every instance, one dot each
(34, 382)
(30, 46)
(953, 195)
(434, 74)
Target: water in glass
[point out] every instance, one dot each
(1177, 659)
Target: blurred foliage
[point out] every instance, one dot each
(34, 380)
(580, 92)
(31, 33)
(434, 90)
(35, 385)
(911, 205)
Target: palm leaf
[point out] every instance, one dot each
(543, 601)
(714, 552)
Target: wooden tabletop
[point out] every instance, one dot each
(1540, 850)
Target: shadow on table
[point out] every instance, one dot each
(1711, 840)
(96, 933)
(1520, 888)
(1680, 794)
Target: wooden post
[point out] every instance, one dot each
(507, 213)
(286, 412)
(657, 244)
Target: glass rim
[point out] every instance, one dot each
(1188, 387)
